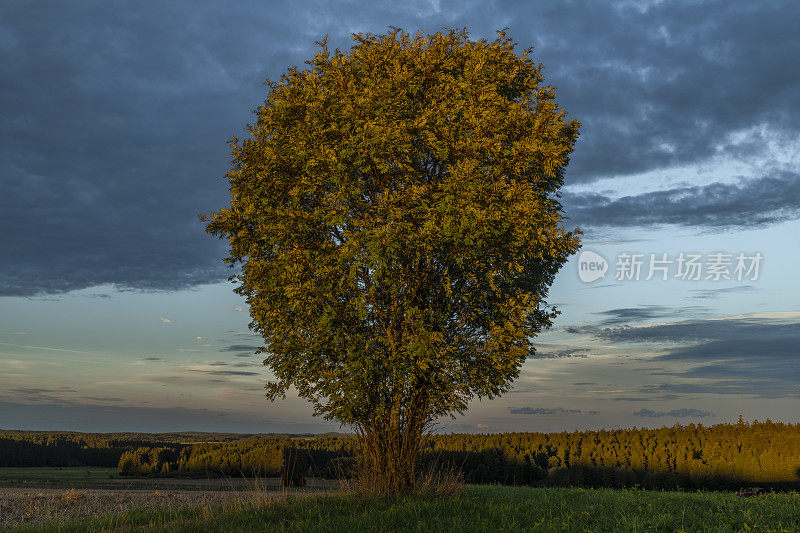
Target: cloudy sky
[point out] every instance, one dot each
(115, 312)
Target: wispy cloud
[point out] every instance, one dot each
(544, 411)
(675, 413)
(47, 348)
(709, 294)
(41, 395)
(225, 372)
(102, 398)
(231, 373)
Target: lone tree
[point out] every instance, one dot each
(395, 214)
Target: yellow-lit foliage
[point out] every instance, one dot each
(395, 214)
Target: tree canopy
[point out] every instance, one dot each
(394, 211)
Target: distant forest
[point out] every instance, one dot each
(690, 457)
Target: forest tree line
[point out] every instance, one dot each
(693, 456)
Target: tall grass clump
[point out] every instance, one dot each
(433, 480)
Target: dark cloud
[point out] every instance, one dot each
(763, 330)
(627, 315)
(240, 348)
(709, 294)
(102, 399)
(560, 354)
(661, 398)
(115, 117)
(113, 136)
(542, 411)
(756, 387)
(676, 413)
(228, 372)
(669, 83)
(743, 356)
(152, 359)
(755, 202)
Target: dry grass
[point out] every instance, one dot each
(441, 483)
(435, 482)
(38, 506)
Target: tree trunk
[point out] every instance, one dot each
(389, 456)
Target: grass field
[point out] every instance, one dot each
(55, 475)
(109, 478)
(479, 508)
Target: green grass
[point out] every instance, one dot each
(41, 474)
(480, 508)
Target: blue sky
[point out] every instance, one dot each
(115, 312)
